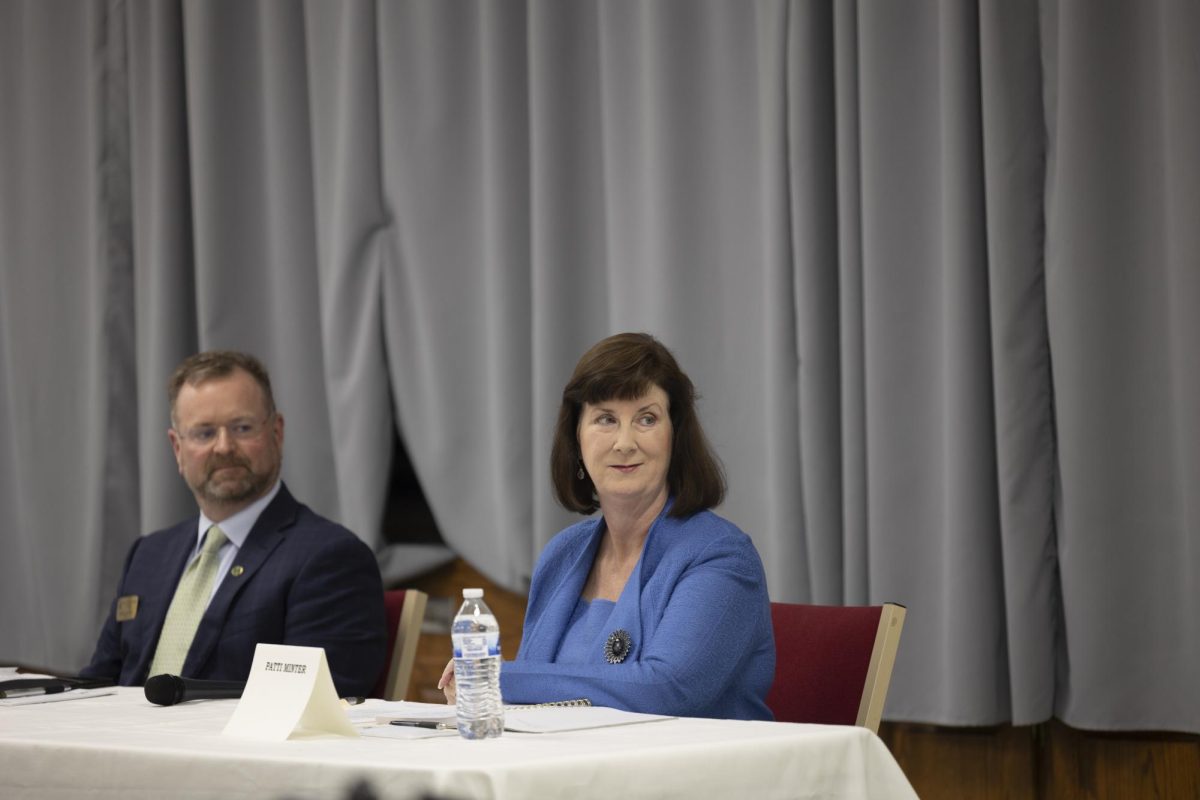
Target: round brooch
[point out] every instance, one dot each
(618, 646)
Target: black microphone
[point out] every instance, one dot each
(167, 690)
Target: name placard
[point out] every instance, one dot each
(289, 693)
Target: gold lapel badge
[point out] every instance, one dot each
(237, 570)
(127, 607)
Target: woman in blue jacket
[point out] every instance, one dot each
(657, 605)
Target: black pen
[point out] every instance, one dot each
(27, 687)
(9, 694)
(431, 724)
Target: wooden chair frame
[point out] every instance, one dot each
(408, 633)
(879, 672)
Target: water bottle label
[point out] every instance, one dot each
(476, 645)
(470, 646)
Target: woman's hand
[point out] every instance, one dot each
(446, 683)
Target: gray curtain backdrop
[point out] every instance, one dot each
(935, 268)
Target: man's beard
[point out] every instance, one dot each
(248, 486)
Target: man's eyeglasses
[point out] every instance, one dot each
(242, 430)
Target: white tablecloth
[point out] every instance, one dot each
(121, 746)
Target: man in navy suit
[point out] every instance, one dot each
(282, 573)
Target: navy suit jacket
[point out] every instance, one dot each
(304, 581)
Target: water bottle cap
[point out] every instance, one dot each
(471, 594)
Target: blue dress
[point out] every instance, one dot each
(695, 609)
(586, 626)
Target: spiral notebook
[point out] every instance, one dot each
(428, 715)
(558, 718)
(582, 701)
(409, 720)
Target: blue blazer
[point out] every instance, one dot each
(304, 581)
(695, 607)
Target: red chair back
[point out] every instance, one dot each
(822, 657)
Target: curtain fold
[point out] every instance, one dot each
(64, 255)
(1121, 296)
(351, 221)
(933, 269)
(932, 511)
(164, 305)
(1014, 154)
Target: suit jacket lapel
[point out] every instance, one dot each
(627, 614)
(544, 640)
(268, 532)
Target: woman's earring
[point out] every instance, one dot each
(579, 472)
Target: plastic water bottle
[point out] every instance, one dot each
(476, 636)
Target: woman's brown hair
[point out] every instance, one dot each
(624, 367)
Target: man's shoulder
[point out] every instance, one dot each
(308, 524)
(306, 518)
(288, 515)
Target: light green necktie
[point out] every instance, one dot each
(187, 607)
